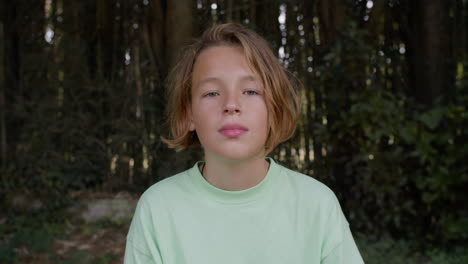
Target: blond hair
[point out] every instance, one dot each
(280, 94)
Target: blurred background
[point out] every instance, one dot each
(384, 122)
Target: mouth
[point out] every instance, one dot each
(232, 130)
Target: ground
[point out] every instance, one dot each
(81, 243)
(68, 238)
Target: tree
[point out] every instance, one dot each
(429, 45)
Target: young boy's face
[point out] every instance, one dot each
(228, 109)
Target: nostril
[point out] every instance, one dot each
(231, 109)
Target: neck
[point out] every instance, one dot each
(235, 175)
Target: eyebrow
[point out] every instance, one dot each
(216, 80)
(207, 80)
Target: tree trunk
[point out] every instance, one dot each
(377, 20)
(338, 86)
(332, 19)
(267, 22)
(179, 27)
(429, 51)
(30, 24)
(11, 68)
(153, 36)
(3, 132)
(105, 10)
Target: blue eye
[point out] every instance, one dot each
(211, 94)
(250, 92)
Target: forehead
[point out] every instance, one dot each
(221, 62)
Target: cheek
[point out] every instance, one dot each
(203, 120)
(263, 120)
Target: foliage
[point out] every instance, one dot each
(398, 166)
(456, 256)
(27, 236)
(32, 240)
(402, 182)
(81, 104)
(388, 250)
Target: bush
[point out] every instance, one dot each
(398, 167)
(388, 250)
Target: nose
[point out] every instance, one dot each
(231, 109)
(232, 105)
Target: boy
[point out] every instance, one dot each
(230, 94)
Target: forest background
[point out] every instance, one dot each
(384, 122)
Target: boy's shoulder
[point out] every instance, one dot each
(167, 186)
(307, 186)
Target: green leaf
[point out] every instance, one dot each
(432, 118)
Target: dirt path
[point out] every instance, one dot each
(77, 240)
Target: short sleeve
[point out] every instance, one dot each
(134, 256)
(142, 246)
(345, 252)
(339, 246)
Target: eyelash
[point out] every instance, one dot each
(247, 92)
(210, 94)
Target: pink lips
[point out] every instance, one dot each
(232, 130)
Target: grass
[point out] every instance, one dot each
(62, 242)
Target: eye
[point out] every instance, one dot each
(211, 94)
(250, 92)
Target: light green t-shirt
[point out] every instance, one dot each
(287, 218)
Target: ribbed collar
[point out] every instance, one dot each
(234, 197)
